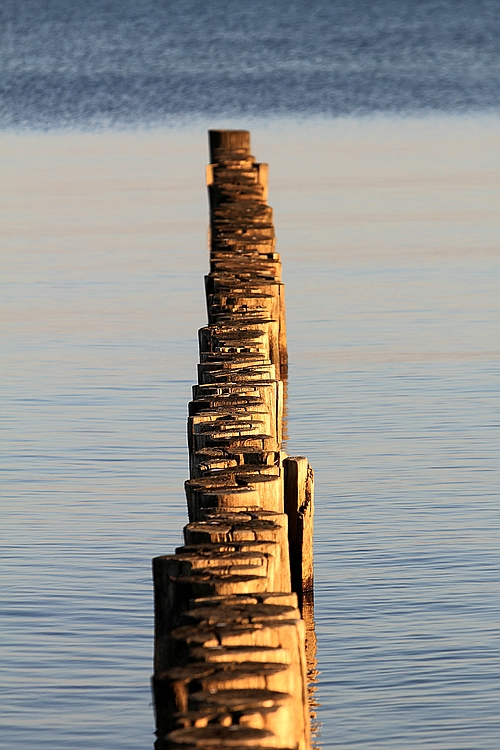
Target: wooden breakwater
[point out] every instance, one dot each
(230, 666)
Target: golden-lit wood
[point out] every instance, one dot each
(233, 655)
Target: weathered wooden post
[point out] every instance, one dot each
(299, 507)
(232, 653)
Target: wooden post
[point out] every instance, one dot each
(232, 654)
(228, 141)
(299, 507)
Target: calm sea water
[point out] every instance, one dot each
(388, 228)
(388, 232)
(101, 62)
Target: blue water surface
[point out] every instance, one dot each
(93, 63)
(380, 123)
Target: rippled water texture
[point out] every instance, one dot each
(389, 234)
(101, 62)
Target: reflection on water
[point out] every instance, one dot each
(312, 663)
(388, 232)
(307, 610)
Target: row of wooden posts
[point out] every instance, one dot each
(230, 665)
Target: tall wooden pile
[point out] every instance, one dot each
(230, 663)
